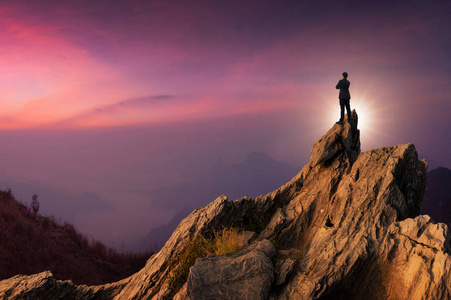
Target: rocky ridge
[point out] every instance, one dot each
(345, 227)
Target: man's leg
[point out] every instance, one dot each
(348, 110)
(342, 110)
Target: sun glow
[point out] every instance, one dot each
(365, 114)
(372, 119)
(364, 111)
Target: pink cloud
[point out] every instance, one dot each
(45, 78)
(219, 60)
(156, 110)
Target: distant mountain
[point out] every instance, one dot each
(432, 163)
(31, 243)
(437, 200)
(258, 174)
(57, 203)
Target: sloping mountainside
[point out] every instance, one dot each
(30, 243)
(437, 200)
(345, 227)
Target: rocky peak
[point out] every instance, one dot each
(345, 227)
(342, 140)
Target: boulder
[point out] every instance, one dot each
(245, 274)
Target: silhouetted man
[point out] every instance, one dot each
(344, 97)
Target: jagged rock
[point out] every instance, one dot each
(345, 220)
(339, 139)
(45, 286)
(414, 260)
(283, 268)
(341, 216)
(245, 274)
(422, 230)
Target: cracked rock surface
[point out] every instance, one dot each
(245, 274)
(345, 227)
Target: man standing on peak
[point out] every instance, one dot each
(344, 97)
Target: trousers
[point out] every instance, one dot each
(344, 103)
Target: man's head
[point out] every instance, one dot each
(345, 75)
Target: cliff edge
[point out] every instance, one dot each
(345, 227)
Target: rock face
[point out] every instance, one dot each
(245, 274)
(418, 254)
(346, 227)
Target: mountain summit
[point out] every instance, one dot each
(345, 227)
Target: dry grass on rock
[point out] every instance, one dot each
(224, 241)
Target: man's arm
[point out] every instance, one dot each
(338, 85)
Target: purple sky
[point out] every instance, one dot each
(118, 97)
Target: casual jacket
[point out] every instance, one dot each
(343, 85)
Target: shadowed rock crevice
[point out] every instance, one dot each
(345, 227)
(410, 178)
(364, 281)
